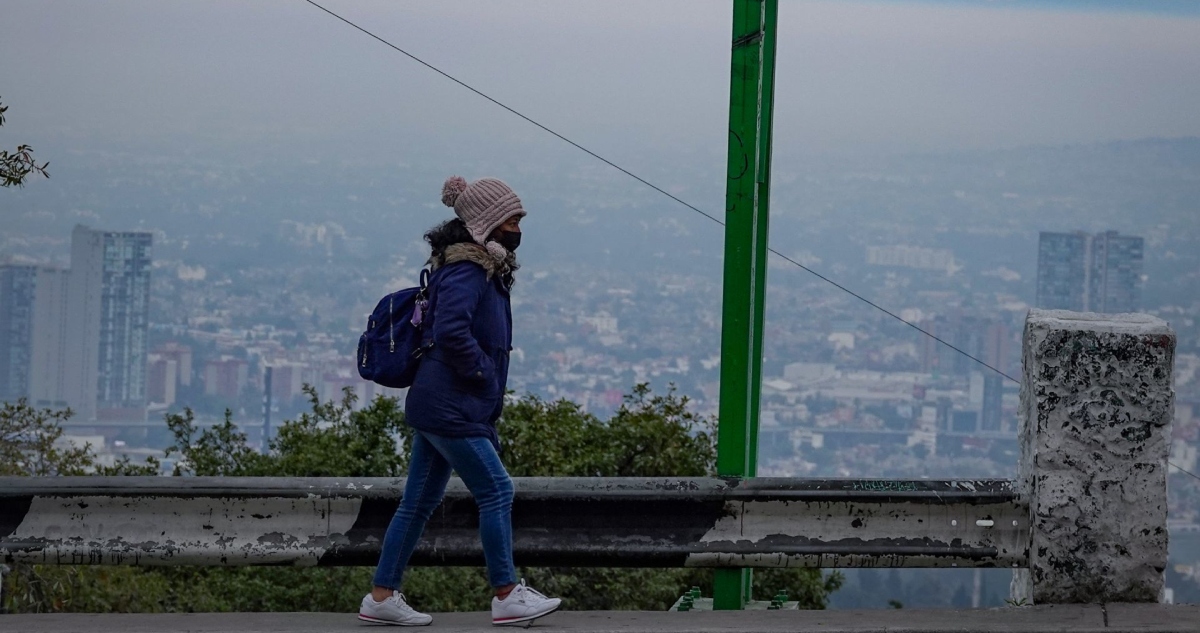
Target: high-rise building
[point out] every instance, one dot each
(986, 339)
(108, 318)
(992, 410)
(50, 359)
(1062, 271)
(77, 338)
(1115, 278)
(32, 310)
(1089, 273)
(17, 291)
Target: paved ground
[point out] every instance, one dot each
(1069, 618)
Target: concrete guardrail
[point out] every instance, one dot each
(1084, 522)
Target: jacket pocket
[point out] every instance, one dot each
(443, 377)
(440, 398)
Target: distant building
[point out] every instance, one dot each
(17, 286)
(287, 382)
(162, 379)
(965, 422)
(997, 344)
(17, 292)
(225, 377)
(602, 323)
(1089, 273)
(992, 410)
(170, 367)
(985, 339)
(108, 313)
(1115, 279)
(77, 338)
(52, 359)
(32, 308)
(182, 355)
(901, 256)
(945, 414)
(1061, 272)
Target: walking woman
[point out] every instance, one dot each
(456, 399)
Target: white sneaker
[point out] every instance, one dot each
(522, 605)
(393, 610)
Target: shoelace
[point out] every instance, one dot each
(398, 598)
(527, 589)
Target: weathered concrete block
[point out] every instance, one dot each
(1095, 414)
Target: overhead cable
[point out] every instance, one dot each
(655, 187)
(669, 195)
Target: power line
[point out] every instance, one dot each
(1194, 475)
(581, 148)
(652, 185)
(889, 313)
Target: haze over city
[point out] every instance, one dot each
(948, 160)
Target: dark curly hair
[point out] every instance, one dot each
(455, 231)
(447, 234)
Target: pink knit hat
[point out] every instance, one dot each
(482, 205)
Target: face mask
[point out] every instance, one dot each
(509, 240)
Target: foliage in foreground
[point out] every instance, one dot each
(650, 435)
(32, 445)
(16, 166)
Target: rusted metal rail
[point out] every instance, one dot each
(698, 522)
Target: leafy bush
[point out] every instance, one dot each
(651, 435)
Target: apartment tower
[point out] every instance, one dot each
(1089, 273)
(78, 337)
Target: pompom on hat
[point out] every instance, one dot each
(453, 188)
(482, 205)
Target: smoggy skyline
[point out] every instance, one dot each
(283, 77)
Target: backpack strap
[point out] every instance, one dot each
(420, 313)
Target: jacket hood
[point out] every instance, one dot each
(471, 252)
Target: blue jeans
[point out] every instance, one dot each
(476, 461)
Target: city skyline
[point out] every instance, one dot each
(848, 391)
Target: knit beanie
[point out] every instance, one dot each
(482, 205)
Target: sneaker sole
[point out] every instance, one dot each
(367, 618)
(522, 620)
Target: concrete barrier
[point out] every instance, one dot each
(763, 522)
(1085, 521)
(1096, 408)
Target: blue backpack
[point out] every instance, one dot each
(391, 348)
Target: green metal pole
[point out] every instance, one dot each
(751, 96)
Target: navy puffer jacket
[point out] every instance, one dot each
(459, 387)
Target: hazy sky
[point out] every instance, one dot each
(619, 75)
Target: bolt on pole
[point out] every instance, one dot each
(751, 96)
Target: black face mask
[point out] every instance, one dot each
(510, 240)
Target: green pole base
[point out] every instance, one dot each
(731, 589)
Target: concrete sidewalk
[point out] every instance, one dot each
(1071, 618)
